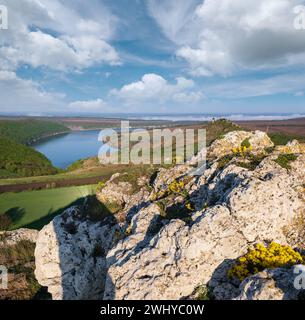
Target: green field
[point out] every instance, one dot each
(34, 209)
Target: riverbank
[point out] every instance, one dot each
(42, 138)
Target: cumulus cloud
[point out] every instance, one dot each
(222, 37)
(18, 95)
(57, 35)
(97, 105)
(153, 87)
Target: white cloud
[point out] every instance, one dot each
(173, 17)
(18, 95)
(56, 35)
(154, 88)
(98, 105)
(222, 37)
(248, 88)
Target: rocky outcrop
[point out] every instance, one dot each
(274, 284)
(115, 192)
(11, 238)
(243, 207)
(259, 141)
(154, 255)
(292, 147)
(70, 255)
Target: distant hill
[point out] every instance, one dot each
(18, 160)
(29, 130)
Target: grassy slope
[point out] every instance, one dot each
(283, 138)
(18, 160)
(27, 131)
(34, 209)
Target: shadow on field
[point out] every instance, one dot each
(15, 214)
(41, 222)
(11, 216)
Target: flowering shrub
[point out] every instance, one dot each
(100, 186)
(262, 257)
(176, 187)
(242, 150)
(189, 206)
(246, 143)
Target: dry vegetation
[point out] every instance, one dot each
(19, 260)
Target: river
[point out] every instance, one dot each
(67, 148)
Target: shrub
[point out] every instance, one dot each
(269, 150)
(262, 257)
(281, 139)
(20, 261)
(246, 143)
(100, 186)
(176, 187)
(284, 160)
(20, 253)
(254, 161)
(244, 149)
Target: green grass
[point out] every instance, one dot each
(281, 139)
(34, 209)
(53, 178)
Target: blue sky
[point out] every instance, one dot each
(153, 56)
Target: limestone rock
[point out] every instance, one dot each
(166, 176)
(170, 263)
(259, 141)
(70, 255)
(292, 147)
(115, 192)
(11, 238)
(274, 284)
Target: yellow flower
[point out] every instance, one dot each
(189, 206)
(262, 257)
